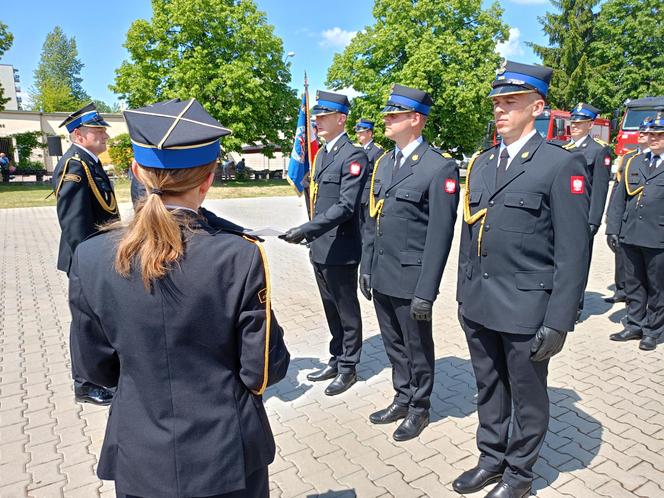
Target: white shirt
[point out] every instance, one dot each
(514, 148)
(86, 150)
(580, 140)
(330, 144)
(408, 149)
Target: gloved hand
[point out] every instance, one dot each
(420, 309)
(547, 343)
(294, 235)
(613, 241)
(365, 286)
(593, 229)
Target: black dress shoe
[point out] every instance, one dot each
(411, 427)
(388, 415)
(648, 343)
(475, 479)
(504, 490)
(326, 373)
(341, 383)
(96, 395)
(626, 335)
(618, 297)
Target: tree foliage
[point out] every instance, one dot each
(444, 47)
(58, 82)
(120, 151)
(103, 107)
(6, 40)
(223, 53)
(26, 142)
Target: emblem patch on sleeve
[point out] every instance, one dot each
(70, 177)
(355, 168)
(450, 186)
(577, 184)
(262, 296)
(607, 161)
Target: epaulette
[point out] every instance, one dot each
(478, 153)
(601, 142)
(446, 155)
(559, 143)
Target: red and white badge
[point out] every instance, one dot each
(355, 168)
(577, 184)
(450, 185)
(607, 161)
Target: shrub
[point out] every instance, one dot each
(119, 148)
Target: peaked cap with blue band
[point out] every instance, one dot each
(514, 77)
(86, 116)
(174, 134)
(329, 103)
(645, 124)
(406, 99)
(656, 124)
(364, 125)
(584, 112)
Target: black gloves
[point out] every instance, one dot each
(547, 343)
(613, 241)
(365, 286)
(294, 235)
(593, 229)
(420, 309)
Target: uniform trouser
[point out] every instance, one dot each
(258, 486)
(338, 290)
(585, 283)
(510, 389)
(409, 346)
(644, 287)
(619, 273)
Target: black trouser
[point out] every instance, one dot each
(644, 287)
(585, 283)
(258, 486)
(338, 290)
(619, 273)
(510, 388)
(409, 346)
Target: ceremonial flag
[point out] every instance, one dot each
(305, 146)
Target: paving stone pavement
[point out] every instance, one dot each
(606, 436)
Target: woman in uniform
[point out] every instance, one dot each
(176, 314)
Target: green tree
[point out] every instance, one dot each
(445, 47)
(59, 74)
(627, 54)
(6, 40)
(570, 35)
(120, 151)
(104, 107)
(223, 53)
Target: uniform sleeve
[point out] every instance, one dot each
(443, 203)
(601, 177)
(350, 193)
(74, 205)
(617, 206)
(92, 356)
(569, 215)
(368, 239)
(464, 258)
(263, 355)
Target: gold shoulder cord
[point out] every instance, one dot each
(268, 315)
(313, 186)
(62, 178)
(469, 218)
(375, 208)
(638, 190)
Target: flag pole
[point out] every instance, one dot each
(307, 136)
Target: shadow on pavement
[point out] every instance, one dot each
(346, 493)
(594, 304)
(290, 388)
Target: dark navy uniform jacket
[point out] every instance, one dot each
(191, 359)
(598, 170)
(334, 230)
(636, 212)
(529, 269)
(373, 152)
(85, 199)
(407, 244)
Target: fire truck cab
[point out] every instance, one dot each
(635, 112)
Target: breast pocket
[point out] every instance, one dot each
(659, 188)
(408, 202)
(378, 186)
(475, 197)
(102, 184)
(329, 184)
(522, 211)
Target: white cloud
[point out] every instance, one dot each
(512, 46)
(336, 37)
(349, 91)
(530, 2)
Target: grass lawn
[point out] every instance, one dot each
(16, 195)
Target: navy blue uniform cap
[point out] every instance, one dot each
(329, 103)
(584, 112)
(86, 116)
(364, 124)
(406, 99)
(175, 134)
(514, 77)
(656, 125)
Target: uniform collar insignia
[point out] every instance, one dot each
(415, 157)
(491, 156)
(525, 155)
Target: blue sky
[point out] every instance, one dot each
(100, 32)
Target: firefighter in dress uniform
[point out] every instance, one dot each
(85, 200)
(364, 129)
(522, 264)
(338, 174)
(413, 204)
(177, 313)
(636, 224)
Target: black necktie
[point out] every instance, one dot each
(653, 163)
(502, 167)
(397, 164)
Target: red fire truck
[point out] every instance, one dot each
(635, 112)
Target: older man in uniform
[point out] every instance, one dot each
(413, 203)
(619, 272)
(364, 129)
(636, 223)
(597, 155)
(338, 175)
(85, 200)
(522, 264)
